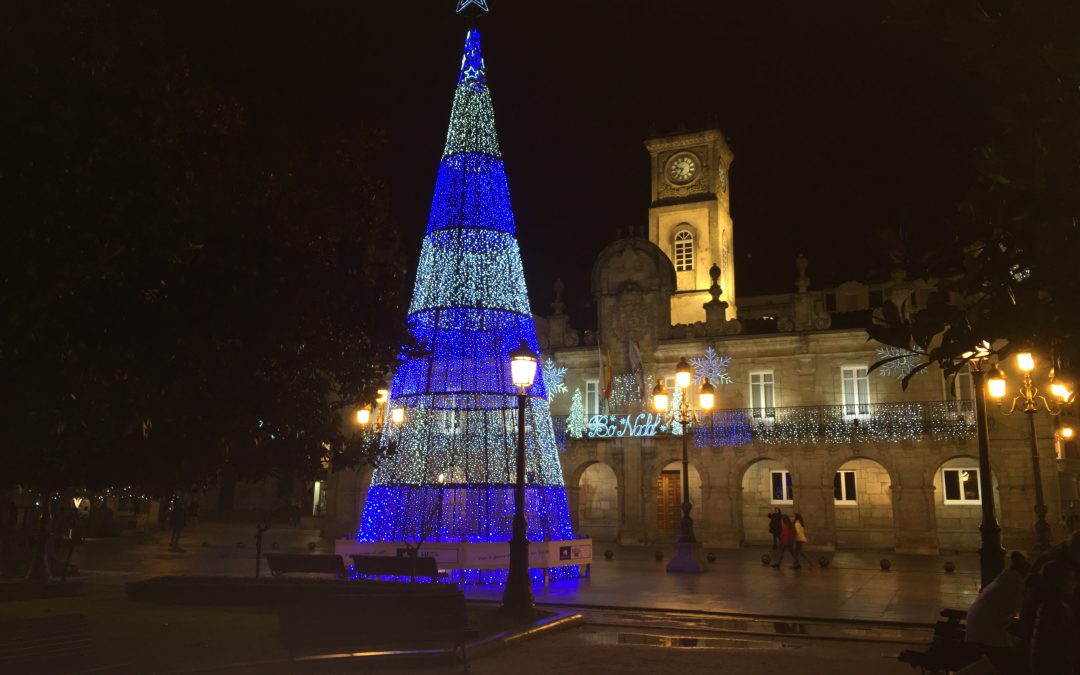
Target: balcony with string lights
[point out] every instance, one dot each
(907, 422)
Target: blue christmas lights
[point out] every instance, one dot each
(452, 475)
(471, 190)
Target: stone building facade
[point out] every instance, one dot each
(800, 423)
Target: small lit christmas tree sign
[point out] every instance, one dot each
(576, 422)
(455, 461)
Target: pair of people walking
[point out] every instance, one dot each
(788, 537)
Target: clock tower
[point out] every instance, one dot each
(690, 217)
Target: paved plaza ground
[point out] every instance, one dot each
(853, 587)
(739, 616)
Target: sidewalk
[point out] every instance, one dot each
(853, 587)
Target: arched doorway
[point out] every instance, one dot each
(958, 503)
(862, 499)
(598, 503)
(669, 499)
(766, 485)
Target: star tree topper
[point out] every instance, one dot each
(481, 6)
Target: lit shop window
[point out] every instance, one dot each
(961, 486)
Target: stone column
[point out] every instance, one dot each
(815, 503)
(915, 517)
(720, 503)
(632, 531)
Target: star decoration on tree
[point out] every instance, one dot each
(481, 6)
(898, 362)
(711, 366)
(554, 378)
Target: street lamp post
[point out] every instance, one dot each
(382, 403)
(363, 415)
(1031, 401)
(991, 553)
(687, 558)
(517, 596)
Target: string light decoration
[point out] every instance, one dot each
(625, 393)
(711, 366)
(451, 479)
(676, 403)
(899, 362)
(883, 423)
(576, 422)
(554, 379)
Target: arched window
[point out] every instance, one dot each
(684, 251)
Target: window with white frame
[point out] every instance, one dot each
(856, 388)
(684, 251)
(592, 397)
(781, 487)
(961, 486)
(961, 389)
(762, 395)
(844, 487)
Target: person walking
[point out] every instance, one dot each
(787, 542)
(775, 517)
(800, 539)
(177, 521)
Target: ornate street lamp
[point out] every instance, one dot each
(518, 597)
(687, 558)
(1031, 401)
(382, 398)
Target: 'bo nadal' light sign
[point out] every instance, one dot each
(612, 426)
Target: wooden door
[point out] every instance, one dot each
(669, 502)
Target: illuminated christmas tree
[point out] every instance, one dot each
(451, 479)
(575, 423)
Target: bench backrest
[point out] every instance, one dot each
(326, 563)
(395, 566)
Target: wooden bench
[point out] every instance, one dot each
(45, 644)
(321, 632)
(947, 651)
(395, 566)
(284, 563)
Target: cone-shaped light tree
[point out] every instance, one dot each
(451, 479)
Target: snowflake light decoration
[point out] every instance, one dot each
(711, 366)
(554, 378)
(902, 363)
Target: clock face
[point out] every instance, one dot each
(682, 168)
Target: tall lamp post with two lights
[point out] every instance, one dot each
(518, 597)
(382, 402)
(1030, 401)
(687, 558)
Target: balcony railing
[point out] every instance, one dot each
(879, 422)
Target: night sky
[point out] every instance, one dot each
(844, 122)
